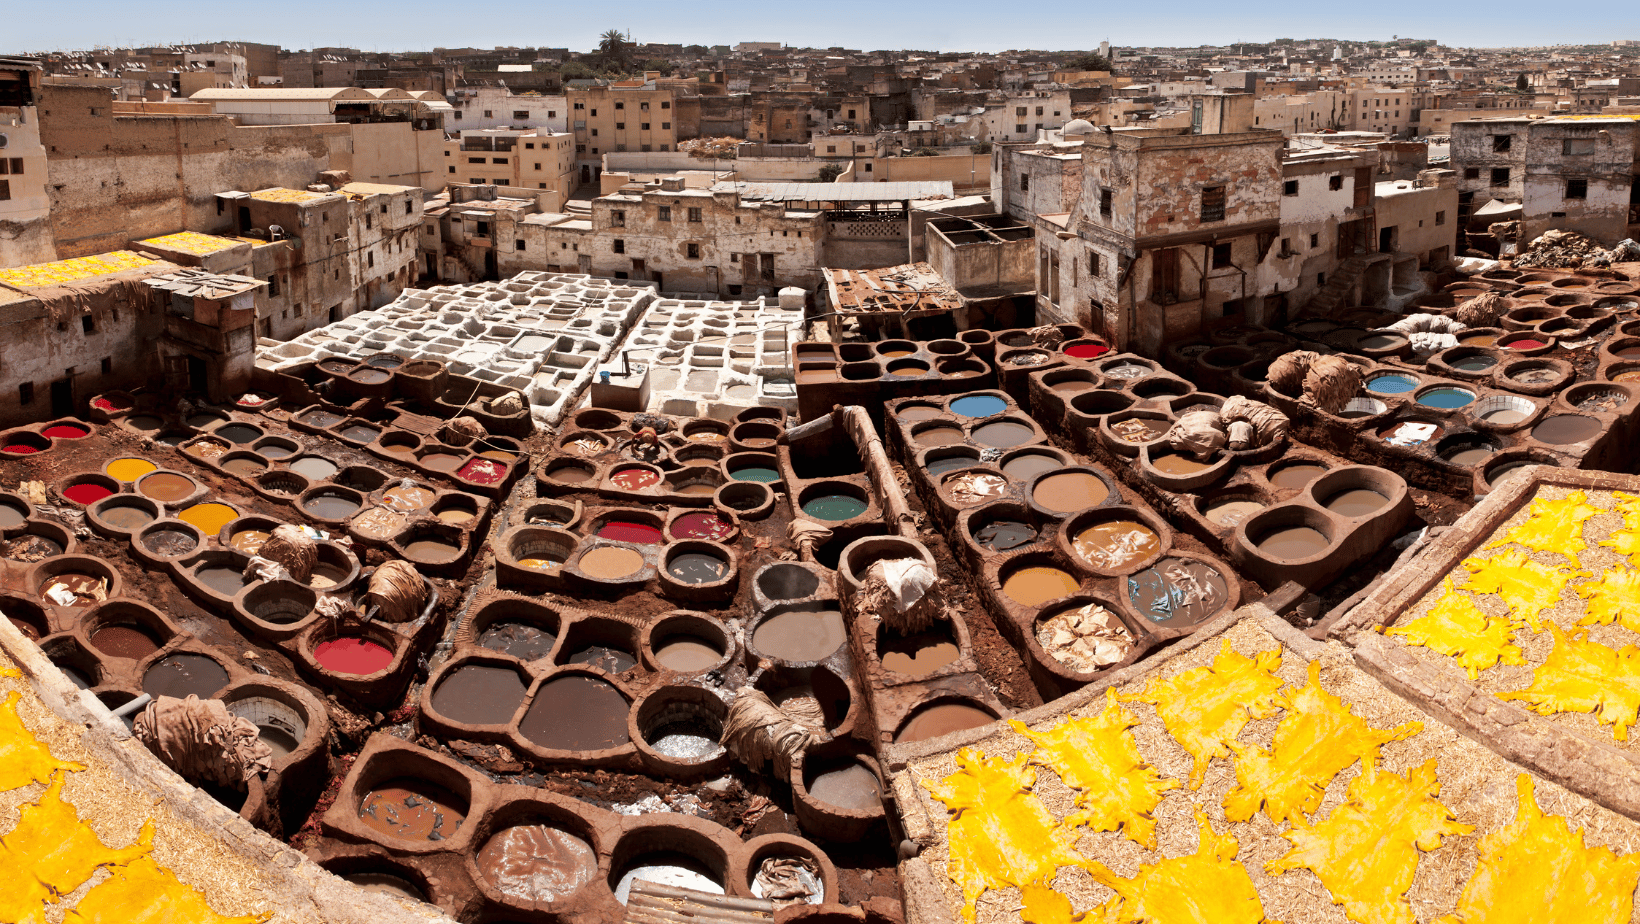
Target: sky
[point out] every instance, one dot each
(936, 25)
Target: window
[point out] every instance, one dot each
(1286, 246)
(692, 251)
(617, 219)
(694, 215)
(620, 126)
(538, 167)
(664, 213)
(1019, 129)
(5, 190)
(1440, 218)
(1577, 188)
(1104, 203)
(1039, 110)
(868, 167)
(1019, 111)
(273, 286)
(643, 107)
(488, 114)
(1574, 146)
(644, 126)
(107, 365)
(621, 105)
(518, 244)
(370, 260)
(1500, 176)
(458, 115)
(1289, 188)
(580, 105)
(529, 146)
(1093, 265)
(476, 181)
(1335, 182)
(88, 324)
(666, 104)
(14, 166)
(25, 393)
(1221, 256)
(1024, 182)
(1500, 143)
(666, 126)
(521, 114)
(1212, 203)
(498, 160)
(1471, 173)
(595, 134)
(850, 112)
(619, 246)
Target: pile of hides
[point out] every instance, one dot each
(1251, 424)
(758, 733)
(1562, 250)
(462, 431)
(1429, 333)
(201, 740)
(897, 592)
(292, 549)
(1483, 310)
(396, 591)
(1287, 371)
(1199, 433)
(1331, 382)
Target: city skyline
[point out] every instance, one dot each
(963, 25)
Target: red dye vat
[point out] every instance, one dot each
(64, 432)
(483, 471)
(20, 449)
(701, 526)
(1086, 350)
(88, 493)
(627, 531)
(348, 655)
(1527, 344)
(103, 403)
(631, 479)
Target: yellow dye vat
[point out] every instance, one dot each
(210, 518)
(129, 470)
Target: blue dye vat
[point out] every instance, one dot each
(978, 406)
(1391, 385)
(1446, 398)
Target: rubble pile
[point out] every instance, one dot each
(1563, 250)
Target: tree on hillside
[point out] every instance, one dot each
(613, 49)
(1522, 84)
(1090, 62)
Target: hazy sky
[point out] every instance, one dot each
(947, 25)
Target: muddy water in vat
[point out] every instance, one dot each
(613, 660)
(1004, 434)
(1070, 491)
(1116, 545)
(1002, 535)
(687, 654)
(479, 695)
(610, 563)
(853, 788)
(1037, 585)
(408, 497)
(917, 655)
(130, 642)
(1297, 476)
(1174, 463)
(226, 581)
(1232, 511)
(248, 541)
(124, 516)
(801, 635)
(577, 713)
(1140, 430)
(1028, 465)
(943, 435)
(331, 506)
(1566, 428)
(1357, 502)
(413, 810)
(182, 674)
(1178, 592)
(917, 413)
(942, 719)
(697, 568)
(523, 641)
(537, 863)
(313, 468)
(1293, 542)
(431, 549)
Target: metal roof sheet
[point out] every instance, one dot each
(839, 192)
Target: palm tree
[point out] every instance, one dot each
(612, 47)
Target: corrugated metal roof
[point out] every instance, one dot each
(653, 903)
(282, 93)
(839, 192)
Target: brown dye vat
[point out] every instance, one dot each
(801, 634)
(1178, 592)
(938, 436)
(407, 497)
(1002, 535)
(816, 376)
(917, 413)
(313, 468)
(169, 542)
(687, 655)
(613, 660)
(84, 587)
(1297, 476)
(1037, 585)
(441, 461)
(226, 581)
(479, 695)
(697, 489)
(1071, 387)
(577, 713)
(247, 468)
(610, 563)
(1028, 465)
(537, 863)
(182, 674)
(1470, 456)
(119, 516)
(1293, 542)
(1116, 544)
(942, 719)
(853, 788)
(1070, 491)
(1232, 511)
(1566, 428)
(521, 640)
(248, 541)
(412, 810)
(431, 549)
(572, 474)
(379, 522)
(165, 487)
(128, 642)
(1358, 502)
(917, 655)
(1004, 434)
(1175, 464)
(1141, 430)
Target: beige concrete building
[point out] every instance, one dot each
(628, 115)
(25, 209)
(498, 107)
(524, 160)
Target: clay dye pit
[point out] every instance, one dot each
(917, 655)
(1072, 386)
(978, 406)
(1027, 465)
(1086, 350)
(801, 635)
(942, 719)
(320, 419)
(248, 541)
(1036, 586)
(169, 543)
(1293, 543)
(613, 660)
(755, 473)
(479, 695)
(521, 640)
(1525, 343)
(65, 432)
(1357, 502)
(130, 642)
(1475, 363)
(379, 522)
(209, 518)
(275, 451)
(1178, 592)
(672, 869)
(1504, 417)
(86, 493)
(629, 531)
(1391, 385)
(1566, 428)
(1116, 545)
(1469, 455)
(330, 506)
(1602, 402)
(1381, 342)
(360, 433)
(1231, 511)
(73, 589)
(1479, 340)
(687, 654)
(1411, 432)
(1004, 434)
(166, 487)
(1002, 535)
(1294, 477)
(1068, 492)
(697, 568)
(352, 655)
(577, 713)
(853, 788)
(183, 674)
(684, 737)
(412, 810)
(245, 468)
(537, 863)
(408, 497)
(431, 550)
(607, 562)
(225, 581)
(1446, 398)
(1174, 463)
(145, 422)
(1140, 430)
(634, 479)
(313, 468)
(834, 507)
(207, 449)
(938, 436)
(237, 433)
(974, 487)
(1126, 370)
(1084, 638)
(30, 547)
(482, 471)
(11, 517)
(701, 526)
(917, 413)
(129, 470)
(123, 516)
